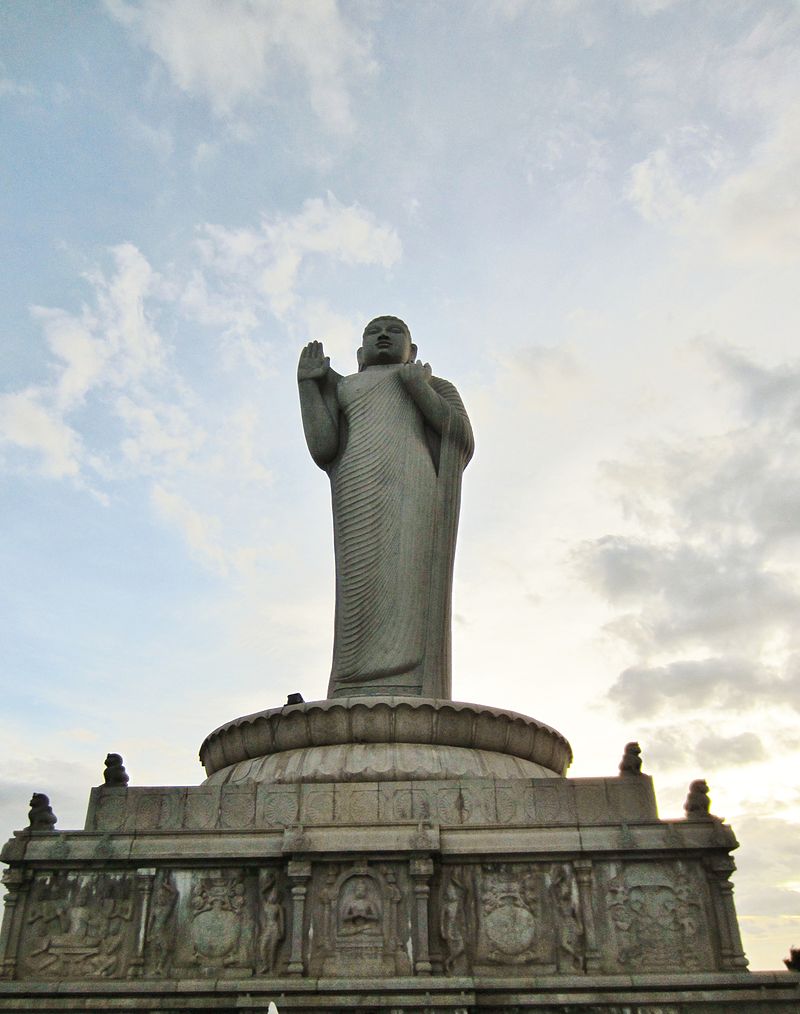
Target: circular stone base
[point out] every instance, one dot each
(378, 762)
(382, 739)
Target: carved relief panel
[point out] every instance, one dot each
(155, 923)
(78, 925)
(521, 917)
(657, 914)
(490, 915)
(514, 926)
(223, 922)
(359, 920)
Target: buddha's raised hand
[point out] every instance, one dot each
(314, 364)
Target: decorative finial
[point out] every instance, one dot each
(793, 961)
(698, 804)
(631, 763)
(115, 773)
(41, 816)
(295, 699)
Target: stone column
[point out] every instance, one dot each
(421, 872)
(299, 872)
(583, 874)
(145, 879)
(17, 881)
(731, 952)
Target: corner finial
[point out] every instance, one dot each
(41, 816)
(631, 763)
(115, 773)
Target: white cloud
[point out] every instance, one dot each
(201, 532)
(110, 346)
(210, 542)
(667, 185)
(28, 424)
(262, 265)
(161, 437)
(10, 88)
(233, 53)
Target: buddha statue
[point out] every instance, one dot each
(394, 441)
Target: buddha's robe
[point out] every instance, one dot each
(396, 488)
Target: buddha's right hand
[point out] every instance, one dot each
(314, 364)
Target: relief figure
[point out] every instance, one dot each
(273, 927)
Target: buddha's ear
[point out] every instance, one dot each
(360, 358)
(413, 358)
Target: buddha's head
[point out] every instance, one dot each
(386, 341)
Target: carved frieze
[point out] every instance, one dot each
(570, 936)
(657, 914)
(78, 925)
(359, 919)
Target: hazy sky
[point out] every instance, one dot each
(588, 214)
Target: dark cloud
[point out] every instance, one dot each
(737, 684)
(729, 751)
(691, 746)
(689, 595)
(771, 393)
(707, 573)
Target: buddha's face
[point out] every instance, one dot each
(386, 341)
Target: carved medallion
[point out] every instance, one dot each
(217, 903)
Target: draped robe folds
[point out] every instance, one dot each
(396, 490)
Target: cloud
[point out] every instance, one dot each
(745, 213)
(724, 683)
(28, 424)
(689, 595)
(161, 437)
(111, 344)
(236, 53)
(201, 532)
(262, 266)
(715, 751)
(10, 88)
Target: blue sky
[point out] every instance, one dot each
(588, 214)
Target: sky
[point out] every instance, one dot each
(587, 213)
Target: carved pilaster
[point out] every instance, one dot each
(299, 872)
(421, 872)
(731, 952)
(144, 892)
(583, 875)
(17, 882)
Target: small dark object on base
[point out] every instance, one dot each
(295, 699)
(793, 961)
(115, 773)
(41, 816)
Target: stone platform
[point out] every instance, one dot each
(460, 893)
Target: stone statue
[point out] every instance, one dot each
(793, 961)
(394, 441)
(40, 815)
(631, 763)
(698, 803)
(115, 773)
